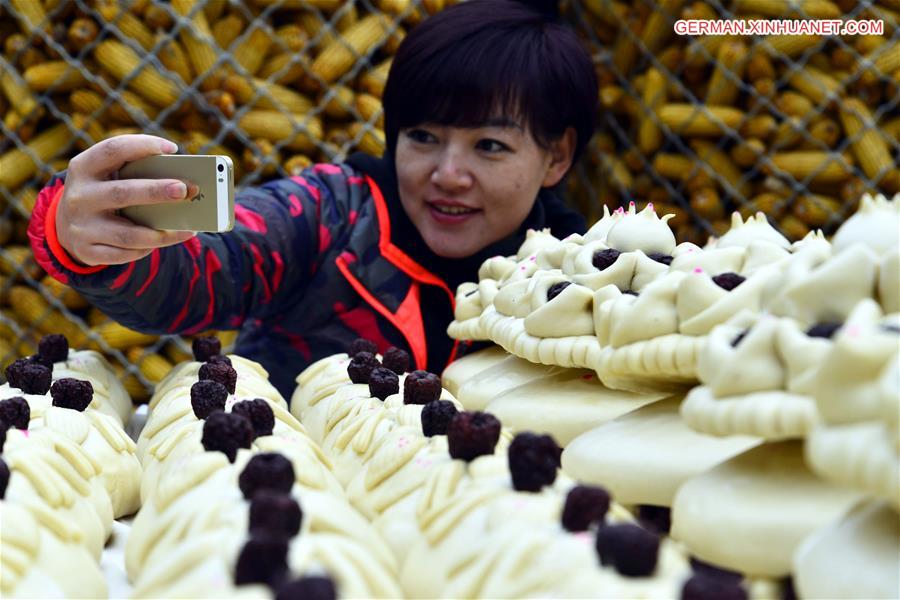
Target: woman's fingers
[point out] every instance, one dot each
(121, 193)
(106, 157)
(122, 233)
(101, 254)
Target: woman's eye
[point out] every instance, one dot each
(489, 145)
(419, 135)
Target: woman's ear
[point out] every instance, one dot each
(561, 153)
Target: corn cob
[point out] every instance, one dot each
(347, 16)
(82, 32)
(57, 74)
(320, 34)
(808, 9)
(395, 7)
(227, 337)
(214, 9)
(340, 103)
(175, 355)
(619, 175)
(815, 210)
(152, 366)
(173, 57)
(267, 95)
(197, 41)
(89, 127)
(793, 104)
(135, 388)
(121, 61)
(672, 166)
(88, 102)
(658, 27)
(262, 157)
(372, 82)
(251, 52)
(22, 342)
(16, 90)
(25, 200)
(323, 5)
(747, 153)
(760, 126)
(433, 6)
(33, 309)
(888, 59)
(824, 134)
(704, 50)
(285, 68)
(126, 22)
(392, 44)
(16, 166)
(690, 120)
(625, 50)
(789, 45)
(789, 134)
(276, 126)
(892, 128)
(759, 66)
(816, 85)
(721, 164)
(120, 337)
(156, 17)
(291, 37)
(819, 167)
(69, 297)
(868, 144)
(707, 204)
(773, 205)
(119, 112)
(793, 227)
(338, 57)
(95, 317)
(15, 259)
(296, 164)
(369, 108)
(31, 15)
(226, 30)
(371, 141)
(723, 89)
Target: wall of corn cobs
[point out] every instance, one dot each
(798, 127)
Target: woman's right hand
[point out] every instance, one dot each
(87, 224)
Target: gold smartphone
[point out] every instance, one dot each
(211, 210)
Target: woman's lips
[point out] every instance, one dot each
(450, 213)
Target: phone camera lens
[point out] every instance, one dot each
(221, 168)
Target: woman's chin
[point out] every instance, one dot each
(453, 246)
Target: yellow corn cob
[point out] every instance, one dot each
(824, 167)
(58, 74)
(251, 52)
(34, 311)
(672, 166)
(816, 210)
(285, 68)
(723, 86)
(721, 164)
(69, 297)
(121, 61)
(760, 126)
(704, 50)
(26, 199)
(392, 44)
(96, 317)
(369, 108)
(118, 112)
(291, 37)
(771, 204)
(197, 41)
(296, 164)
(658, 27)
(371, 141)
(825, 133)
(152, 366)
(887, 59)
(347, 16)
(892, 128)
(126, 22)
(261, 156)
(789, 45)
(174, 58)
(812, 9)
(17, 167)
(175, 355)
(89, 127)
(320, 34)
(31, 15)
(707, 203)
(624, 51)
(614, 168)
(120, 337)
(747, 153)
(21, 341)
(793, 227)
(17, 91)
(341, 103)
(373, 81)
(338, 57)
(395, 7)
(137, 390)
(277, 126)
(433, 6)
(86, 101)
(793, 104)
(323, 5)
(226, 30)
(214, 9)
(868, 144)
(268, 95)
(815, 84)
(227, 338)
(16, 258)
(690, 120)
(759, 66)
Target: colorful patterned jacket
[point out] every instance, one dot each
(313, 262)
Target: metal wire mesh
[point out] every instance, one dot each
(274, 84)
(795, 126)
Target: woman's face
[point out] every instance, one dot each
(466, 188)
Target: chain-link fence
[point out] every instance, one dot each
(796, 127)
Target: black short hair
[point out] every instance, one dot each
(487, 58)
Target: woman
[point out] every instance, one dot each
(487, 105)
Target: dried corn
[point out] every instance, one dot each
(17, 166)
(197, 40)
(868, 144)
(818, 167)
(654, 96)
(298, 132)
(690, 120)
(121, 61)
(120, 337)
(338, 57)
(33, 310)
(152, 366)
(69, 297)
(723, 86)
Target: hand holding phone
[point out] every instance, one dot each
(210, 209)
(88, 225)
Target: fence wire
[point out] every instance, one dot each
(796, 127)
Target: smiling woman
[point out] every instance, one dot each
(487, 105)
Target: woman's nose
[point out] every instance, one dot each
(451, 173)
